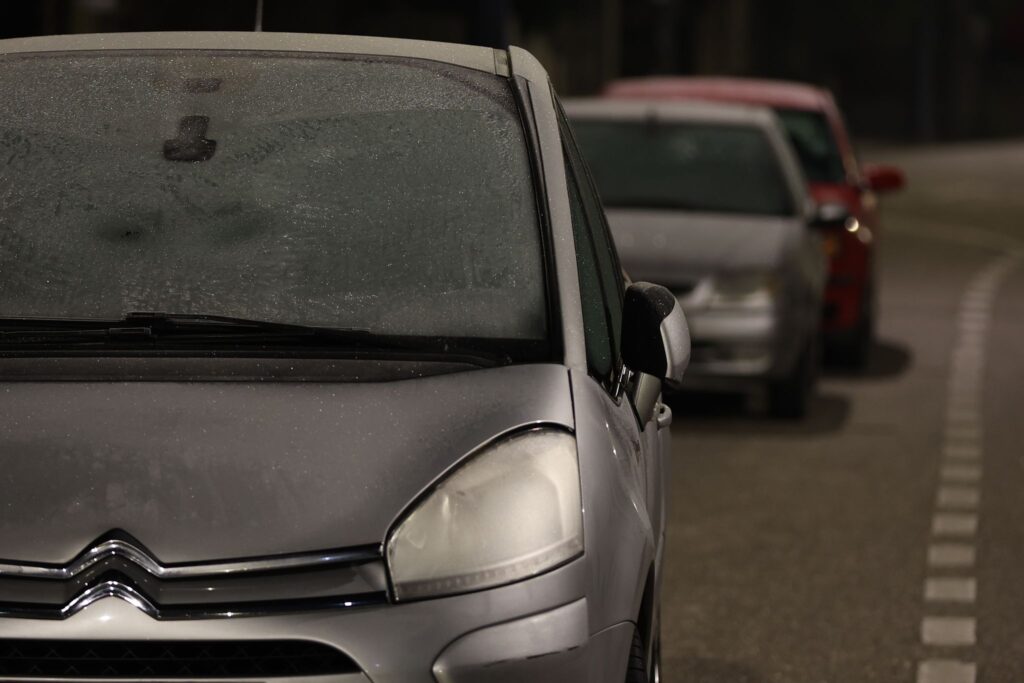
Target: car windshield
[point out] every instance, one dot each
(685, 166)
(392, 196)
(812, 139)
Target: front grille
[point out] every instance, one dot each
(116, 564)
(72, 659)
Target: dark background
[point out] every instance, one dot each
(902, 69)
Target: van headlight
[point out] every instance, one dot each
(511, 511)
(754, 290)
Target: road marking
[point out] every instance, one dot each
(951, 555)
(958, 433)
(946, 671)
(948, 631)
(962, 451)
(978, 303)
(950, 590)
(960, 497)
(967, 474)
(954, 524)
(965, 387)
(959, 476)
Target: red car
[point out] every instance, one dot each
(845, 192)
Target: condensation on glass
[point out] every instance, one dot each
(351, 192)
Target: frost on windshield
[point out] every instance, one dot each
(393, 196)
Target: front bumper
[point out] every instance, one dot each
(848, 284)
(731, 347)
(536, 630)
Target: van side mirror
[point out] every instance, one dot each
(881, 178)
(655, 337)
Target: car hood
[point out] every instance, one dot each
(214, 470)
(676, 248)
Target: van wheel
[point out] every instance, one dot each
(789, 397)
(635, 670)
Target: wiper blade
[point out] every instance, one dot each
(141, 324)
(192, 322)
(149, 328)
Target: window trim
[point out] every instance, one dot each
(578, 173)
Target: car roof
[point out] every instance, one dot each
(782, 94)
(645, 109)
(469, 56)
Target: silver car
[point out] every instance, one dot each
(316, 364)
(709, 201)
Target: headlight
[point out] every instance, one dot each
(512, 511)
(744, 291)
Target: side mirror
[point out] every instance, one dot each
(882, 178)
(655, 337)
(830, 215)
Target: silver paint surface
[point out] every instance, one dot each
(219, 470)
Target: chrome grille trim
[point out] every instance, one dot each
(108, 589)
(134, 554)
(115, 589)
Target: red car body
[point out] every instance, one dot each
(849, 317)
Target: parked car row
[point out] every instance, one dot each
(745, 199)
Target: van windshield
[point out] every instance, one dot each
(391, 196)
(686, 166)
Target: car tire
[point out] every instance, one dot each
(789, 397)
(855, 351)
(636, 671)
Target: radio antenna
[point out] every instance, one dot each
(259, 16)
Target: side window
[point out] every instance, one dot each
(598, 338)
(600, 248)
(607, 257)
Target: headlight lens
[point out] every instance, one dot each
(510, 512)
(744, 291)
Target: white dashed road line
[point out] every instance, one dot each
(962, 452)
(959, 497)
(952, 554)
(961, 473)
(946, 671)
(950, 590)
(954, 524)
(948, 631)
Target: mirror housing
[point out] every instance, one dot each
(655, 336)
(882, 178)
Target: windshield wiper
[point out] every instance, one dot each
(188, 323)
(149, 328)
(147, 324)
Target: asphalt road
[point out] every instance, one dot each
(881, 539)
